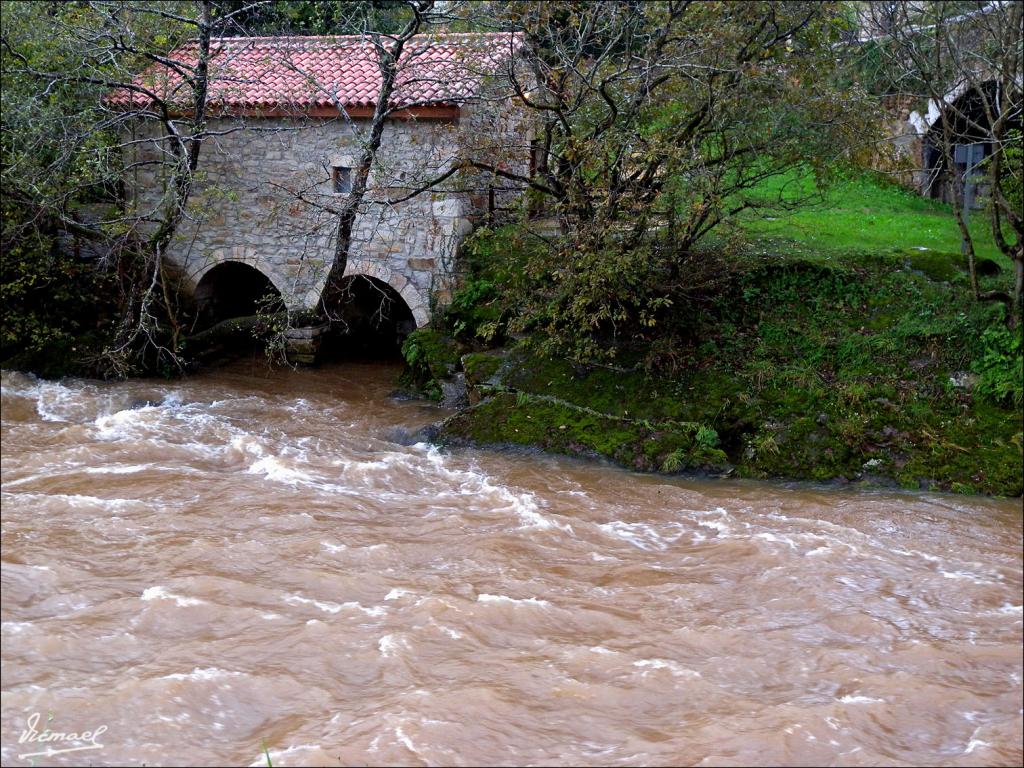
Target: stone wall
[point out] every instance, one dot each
(500, 132)
(263, 194)
(900, 155)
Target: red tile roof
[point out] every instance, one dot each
(301, 74)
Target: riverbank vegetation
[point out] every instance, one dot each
(800, 354)
(773, 313)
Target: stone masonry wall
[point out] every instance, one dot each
(246, 205)
(498, 131)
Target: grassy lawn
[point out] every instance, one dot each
(867, 214)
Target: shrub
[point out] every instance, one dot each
(430, 357)
(1000, 367)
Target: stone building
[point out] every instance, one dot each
(973, 87)
(287, 119)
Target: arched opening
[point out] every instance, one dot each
(369, 319)
(233, 289)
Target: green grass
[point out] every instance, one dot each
(866, 214)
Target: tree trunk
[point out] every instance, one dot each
(1018, 285)
(388, 62)
(202, 343)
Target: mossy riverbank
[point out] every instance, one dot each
(872, 368)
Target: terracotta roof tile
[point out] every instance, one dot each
(300, 73)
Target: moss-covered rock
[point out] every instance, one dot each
(937, 265)
(557, 426)
(481, 367)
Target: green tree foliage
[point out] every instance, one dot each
(48, 308)
(1012, 169)
(657, 124)
(62, 172)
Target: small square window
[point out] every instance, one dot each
(341, 179)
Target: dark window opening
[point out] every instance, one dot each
(341, 179)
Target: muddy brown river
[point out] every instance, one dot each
(194, 570)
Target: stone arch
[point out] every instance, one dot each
(232, 288)
(369, 318)
(415, 300)
(241, 254)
